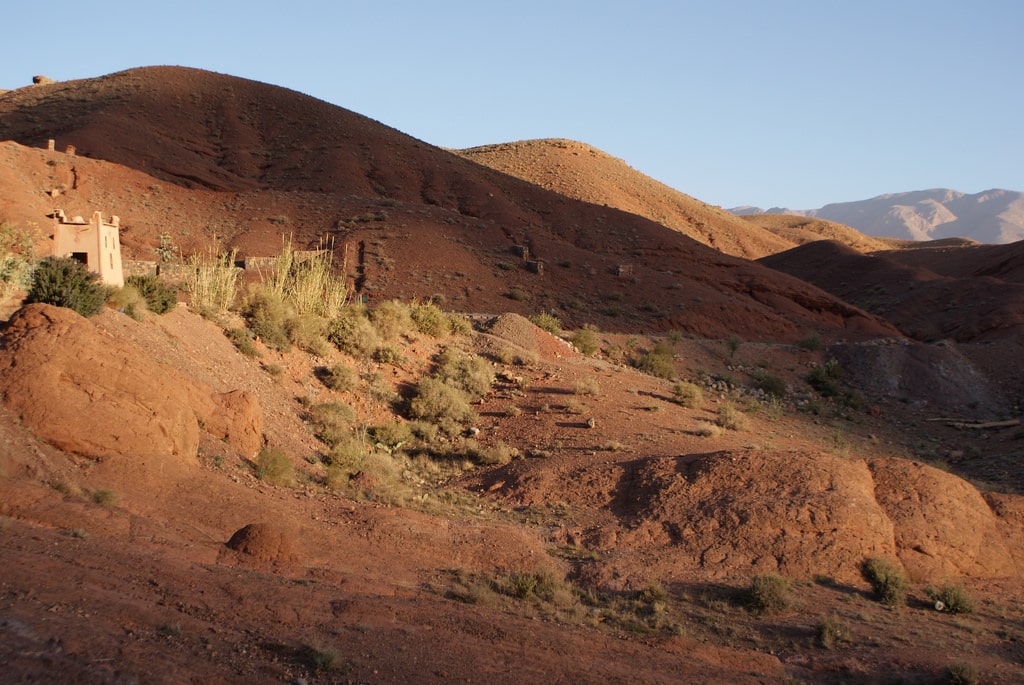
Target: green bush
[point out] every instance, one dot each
(658, 362)
(66, 282)
(160, 297)
(331, 421)
(773, 385)
(547, 322)
(826, 378)
(128, 300)
(242, 338)
(388, 354)
(732, 418)
(887, 580)
(338, 377)
(952, 599)
(267, 315)
(392, 319)
(768, 594)
(963, 673)
(16, 259)
(471, 374)
(442, 405)
(393, 434)
(306, 331)
(811, 342)
(585, 340)
(831, 631)
(688, 394)
(352, 333)
(430, 320)
(273, 466)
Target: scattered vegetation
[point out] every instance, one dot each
(773, 385)
(243, 339)
(953, 599)
(352, 333)
(767, 594)
(585, 340)
(338, 377)
(811, 342)
(469, 373)
(830, 631)
(16, 260)
(331, 421)
(443, 405)
(587, 385)
(688, 395)
(732, 418)
(827, 378)
(66, 282)
(273, 466)
(212, 281)
(547, 322)
(159, 296)
(963, 673)
(887, 580)
(308, 283)
(430, 320)
(658, 362)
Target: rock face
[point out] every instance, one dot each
(790, 513)
(944, 528)
(102, 397)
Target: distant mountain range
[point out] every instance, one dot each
(992, 216)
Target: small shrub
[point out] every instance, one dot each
(469, 373)
(267, 314)
(707, 430)
(734, 344)
(518, 294)
(887, 580)
(273, 466)
(658, 362)
(547, 322)
(963, 673)
(430, 320)
(585, 340)
(392, 319)
(767, 594)
(495, 455)
(393, 434)
(160, 297)
(952, 599)
(306, 331)
(129, 301)
(352, 333)
(826, 378)
(732, 418)
(441, 404)
(242, 338)
(331, 421)
(16, 260)
(339, 377)
(388, 354)
(587, 386)
(688, 395)
(811, 342)
(773, 385)
(107, 498)
(459, 325)
(66, 282)
(830, 632)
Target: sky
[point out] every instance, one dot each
(772, 103)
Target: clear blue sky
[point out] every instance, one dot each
(770, 103)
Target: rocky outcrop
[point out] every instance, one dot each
(99, 396)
